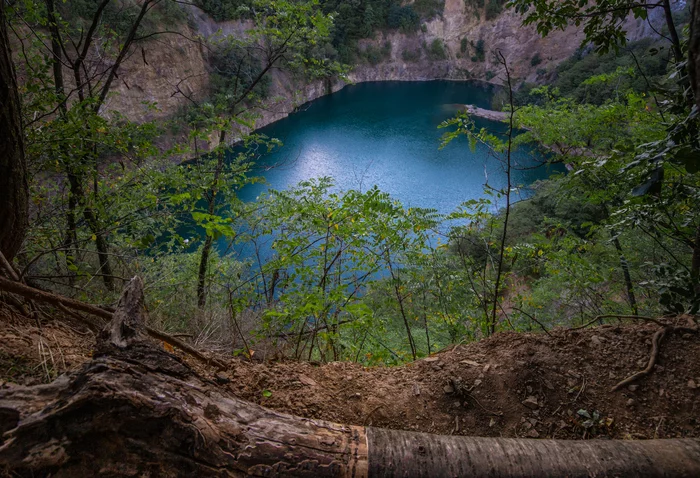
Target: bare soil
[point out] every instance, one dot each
(511, 384)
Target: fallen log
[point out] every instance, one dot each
(136, 410)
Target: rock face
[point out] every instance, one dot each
(172, 67)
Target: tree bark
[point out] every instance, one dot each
(694, 50)
(14, 190)
(136, 410)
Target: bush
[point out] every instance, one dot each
(489, 75)
(463, 45)
(375, 55)
(410, 55)
(437, 50)
(493, 9)
(479, 51)
(535, 60)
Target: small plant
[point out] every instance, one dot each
(593, 424)
(535, 60)
(489, 75)
(463, 44)
(410, 55)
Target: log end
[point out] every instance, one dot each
(128, 324)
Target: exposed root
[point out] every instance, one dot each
(616, 316)
(655, 341)
(654, 356)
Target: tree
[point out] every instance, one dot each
(14, 192)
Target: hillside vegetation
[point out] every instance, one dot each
(352, 275)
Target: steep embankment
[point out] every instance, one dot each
(174, 67)
(531, 385)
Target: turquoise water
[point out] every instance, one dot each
(386, 134)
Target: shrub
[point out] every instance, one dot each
(410, 55)
(479, 51)
(493, 9)
(489, 75)
(437, 50)
(535, 60)
(463, 45)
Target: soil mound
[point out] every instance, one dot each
(511, 385)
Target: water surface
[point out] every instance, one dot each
(386, 134)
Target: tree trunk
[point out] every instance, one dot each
(211, 207)
(14, 190)
(694, 47)
(136, 410)
(626, 273)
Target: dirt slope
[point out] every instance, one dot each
(509, 385)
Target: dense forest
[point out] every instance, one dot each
(91, 198)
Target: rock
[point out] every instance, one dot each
(431, 359)
(531, 402)
(221, 378)
(477, 382)
(633, 388)
(529, 389)
(307, 381)
(692, 385)
(487, 367)
(532, 433)
(596, 340)
(471, 362)
(448, 389)
(687, 336)
(416, 389)
(630, 402)
(492, 422)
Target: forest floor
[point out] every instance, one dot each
(511, 384)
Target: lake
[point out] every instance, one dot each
(386, 134)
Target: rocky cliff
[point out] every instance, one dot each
(173, 68)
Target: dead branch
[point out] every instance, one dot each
(616, 316)
(59, 300)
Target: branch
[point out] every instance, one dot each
(59, 300)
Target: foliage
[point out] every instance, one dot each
(437, 50)
(494, 8)
(479, 51)
(374, 55)
(411, 55)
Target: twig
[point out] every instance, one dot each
(533, 319)
(616, 316)
(464, 391)
(580, 391)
